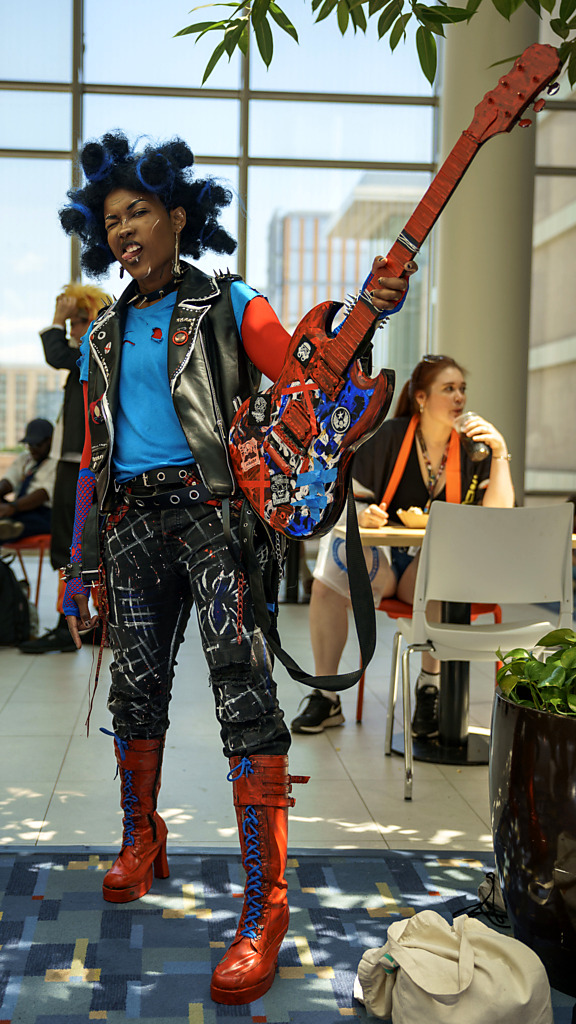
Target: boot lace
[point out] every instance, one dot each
(253, 893)
(129, 798)
(243, 768)
(253, 863)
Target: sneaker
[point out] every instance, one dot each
(10, 529)
(57, 639)
(320, 713)
(425, 718)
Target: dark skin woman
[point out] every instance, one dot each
(160, 368)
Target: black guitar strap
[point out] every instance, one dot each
(360, 595)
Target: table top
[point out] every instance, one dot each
(387, 536)
(395, 536)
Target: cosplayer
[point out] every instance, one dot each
(415, 458)
(163, 369)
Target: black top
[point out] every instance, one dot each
(61, 356)
(375, 460)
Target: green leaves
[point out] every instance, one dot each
(392, 17)
(507, 7)
(236, 28)
(426, 46)
(547, 685)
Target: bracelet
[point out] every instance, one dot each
(504, 458)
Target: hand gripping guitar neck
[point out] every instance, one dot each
(291, 446)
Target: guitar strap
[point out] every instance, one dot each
(360, 596)
(453, 477)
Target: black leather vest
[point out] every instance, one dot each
(208, 370)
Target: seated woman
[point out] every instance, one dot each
(415, 458)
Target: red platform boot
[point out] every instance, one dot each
(144, 836)
(261, 795)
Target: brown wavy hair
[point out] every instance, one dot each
(421, 379)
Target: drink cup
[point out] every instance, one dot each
(477, 451)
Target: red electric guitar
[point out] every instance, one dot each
(292, 445)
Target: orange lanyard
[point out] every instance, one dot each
(453, 485)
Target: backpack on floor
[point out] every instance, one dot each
(14, 613)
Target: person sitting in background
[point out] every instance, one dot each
(31, 479)
(78, 305)
(413, 459)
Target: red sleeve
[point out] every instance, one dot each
(87, 450)
(265, 340)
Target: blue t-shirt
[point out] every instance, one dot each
(147, 430)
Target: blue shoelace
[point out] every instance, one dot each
(129, 798)
(253, 858)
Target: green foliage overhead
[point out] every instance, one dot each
(545, 684)
(392, 17)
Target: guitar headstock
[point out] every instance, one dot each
(503, 106)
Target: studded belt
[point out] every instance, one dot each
(155, 488)
(164, 475)
(181, 498)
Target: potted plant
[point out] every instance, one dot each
(533, 799)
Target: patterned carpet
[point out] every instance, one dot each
(67, 957)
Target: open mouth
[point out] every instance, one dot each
(131, 252)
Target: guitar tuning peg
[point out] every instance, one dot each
(525, 122)
(553, 88)
(539, 105)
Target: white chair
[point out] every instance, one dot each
(516, 556)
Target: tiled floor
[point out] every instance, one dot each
(57, 786)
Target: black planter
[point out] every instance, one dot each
(533, 800)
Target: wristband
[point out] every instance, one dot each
(71, 571)
(74, 588)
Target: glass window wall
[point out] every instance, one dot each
(135, 75)
(134, 44)
(36, 41)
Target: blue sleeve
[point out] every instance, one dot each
(82, 363)
(241, 294)
(385, 312)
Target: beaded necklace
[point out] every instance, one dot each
(432, 476)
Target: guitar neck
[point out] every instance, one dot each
(417, 229)
(409, 241)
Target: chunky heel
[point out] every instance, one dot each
(161, 869)
(143, 852)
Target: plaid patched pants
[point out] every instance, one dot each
(158, 564)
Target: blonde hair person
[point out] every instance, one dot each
(78, 303)
(76, 307)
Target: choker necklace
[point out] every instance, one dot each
(159, 293)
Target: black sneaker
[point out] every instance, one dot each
(425, 718)
(57, 639)
(320, 713)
